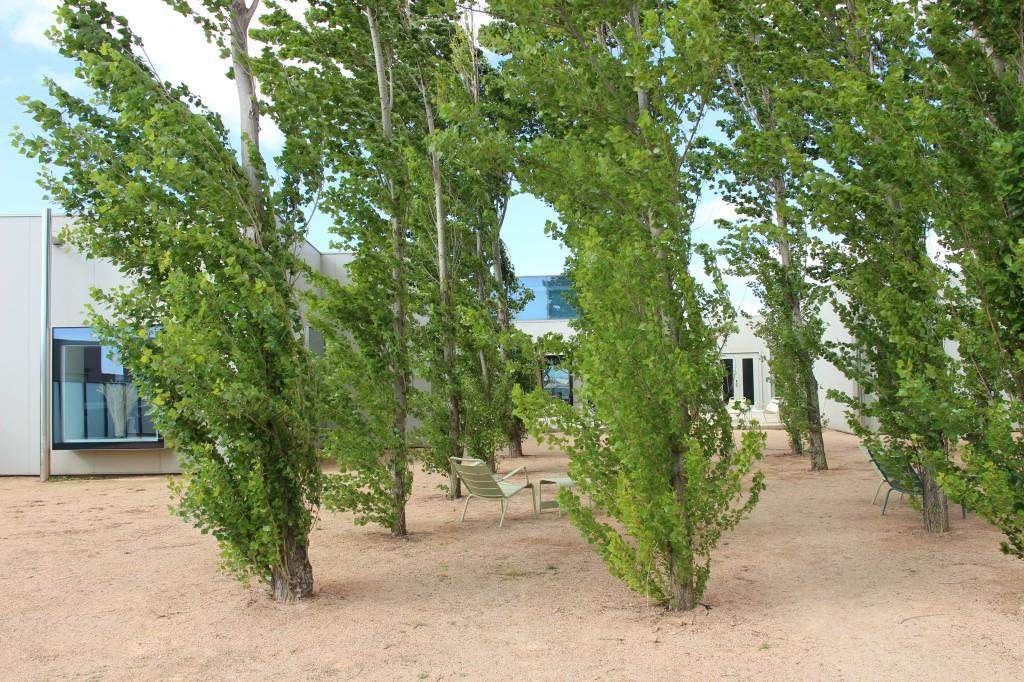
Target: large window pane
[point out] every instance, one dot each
(552, 299)
(94, 401)
(728, 381)
(748, 380)
(556, 380)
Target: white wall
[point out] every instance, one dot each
(20, 286)
(538, 328)
(334, 264)
(829, 377)
(71, 277)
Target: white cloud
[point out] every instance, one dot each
(711, 210)
(25, 21)
(180, 54)
(175, 45)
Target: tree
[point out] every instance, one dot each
(620, 92)
(338, 74)
(377, 106)
(763, 167)
(874, 192)
(468, 127)
(209, 324)
(972, 115)
(482, 124)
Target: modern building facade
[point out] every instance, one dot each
(69, 407)
(744, 355)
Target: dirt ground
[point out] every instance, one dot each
(98, 581)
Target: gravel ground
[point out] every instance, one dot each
(100, 582)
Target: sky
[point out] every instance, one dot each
(180, 53)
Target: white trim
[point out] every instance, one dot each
(44, 349)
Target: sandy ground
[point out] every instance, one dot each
(98, 581)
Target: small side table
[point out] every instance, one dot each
(558, 482)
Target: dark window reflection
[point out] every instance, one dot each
(728, 391)
(556, 380)
(94, 401)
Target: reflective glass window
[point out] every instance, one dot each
(552, 299)
(94, 402)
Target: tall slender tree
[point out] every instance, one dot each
(339, 72)
(396, 129)
(621, 90)
(483, 125)
(973, 115)
(209, 322)
(874, 193)
(769, 154)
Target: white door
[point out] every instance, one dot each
(742, 378)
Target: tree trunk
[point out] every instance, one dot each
(515, 441)
(400, 378)
(933, 499)
(485, 369)
(481, 294)
(516, 427)
(936, 507)
(818, 460)
(383, 89)
(499, 272)
(248, 104)
(682, 597)
(400, 388)
(398, 471)
(293, 579)
(444, 284)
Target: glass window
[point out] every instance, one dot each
(315, 341)
(552, 299)
(728, 380)
(556, 380)
(94, 402)
(748, 380)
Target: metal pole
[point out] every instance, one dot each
(44, 351)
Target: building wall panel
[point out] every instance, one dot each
(21, 312)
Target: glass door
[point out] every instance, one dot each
(739, 378)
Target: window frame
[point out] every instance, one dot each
(554, 361)
(57, 387)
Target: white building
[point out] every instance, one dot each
(88, 421)
(68, 407)
(744, 354)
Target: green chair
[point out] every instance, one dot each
(480, 482)
(904, 481)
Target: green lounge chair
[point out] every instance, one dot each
(480, 482)
(905, 482)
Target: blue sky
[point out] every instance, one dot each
(179, 53)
